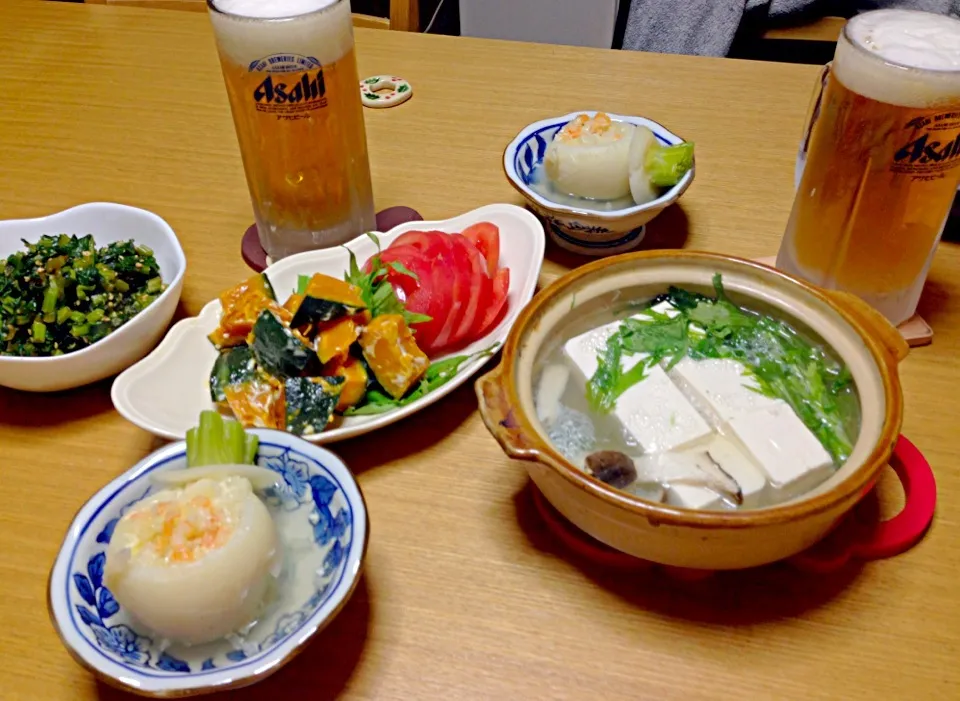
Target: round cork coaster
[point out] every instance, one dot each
(254, 255)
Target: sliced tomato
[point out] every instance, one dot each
(451, 271)
(486, 237)
(421, 240)
(498, 301)
(479, 288)
(418, 295)
(400, 254)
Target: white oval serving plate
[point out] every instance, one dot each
(166, 391)
(322, 523)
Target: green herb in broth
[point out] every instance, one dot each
(784, 365)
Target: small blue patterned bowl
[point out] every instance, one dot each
(582, 230)
(322, 522)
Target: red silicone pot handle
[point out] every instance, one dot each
(896, 535)
(904, 530)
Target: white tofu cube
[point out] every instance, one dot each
(654, 411)
(688, 496)
(658, 416)
(694, 480)
(661, 308)
(785, 449)
(721, 387)
(751, 480)
(552, 385)
(582, 350)
(669, 469)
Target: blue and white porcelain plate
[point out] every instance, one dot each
(322, 523)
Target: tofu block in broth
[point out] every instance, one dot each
(715, 474)
(687, 409)
(790, 455)
(721, 387)
(653, 411)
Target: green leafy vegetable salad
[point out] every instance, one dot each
(63, 293)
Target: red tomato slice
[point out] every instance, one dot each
(479, 289)
(418, 295)
(452, 271)
(421, 240)
(486, 237)
(498, 301)
(401, 254)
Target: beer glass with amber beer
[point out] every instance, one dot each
(882, 161)
(291, 77)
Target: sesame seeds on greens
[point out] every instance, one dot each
(62, 293)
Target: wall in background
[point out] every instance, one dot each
(572, 22)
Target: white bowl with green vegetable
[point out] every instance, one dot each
(84, 293)
(334, 343)
(597, 179)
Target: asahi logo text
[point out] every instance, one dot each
(292, 86)
(933, 148)
(926, 150)
(310, 88)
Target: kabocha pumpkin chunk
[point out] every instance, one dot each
(233, 366)
(257, 402)
(310, 402)
(355, 381)
(393, 355)
(327, 298)
(304, 330)
(293, 302)
(279, 350)
(335, 338)
(242, 305)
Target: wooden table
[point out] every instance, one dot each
(466, 594)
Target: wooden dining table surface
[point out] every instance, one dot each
(466, 593)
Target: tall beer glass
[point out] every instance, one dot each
(291, 76)
(882, 161)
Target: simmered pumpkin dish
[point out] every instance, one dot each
(333, 347)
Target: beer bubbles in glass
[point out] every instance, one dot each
(882, 161)
(291, 77)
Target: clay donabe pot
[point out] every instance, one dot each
(857, 334)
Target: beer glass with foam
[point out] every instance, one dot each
(882, 161)
(291, 77)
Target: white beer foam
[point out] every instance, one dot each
(321, 29)
(901, 57)
(270, 9)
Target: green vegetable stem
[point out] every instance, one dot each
(437, 375)
(666, 165)
(220, 441)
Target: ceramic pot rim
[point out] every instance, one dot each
(851, 488)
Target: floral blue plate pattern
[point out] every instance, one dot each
(322, 522)
(592, 232)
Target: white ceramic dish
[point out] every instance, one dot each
(582, 230)
(167, 390)
(108, 223)
(322, 522)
